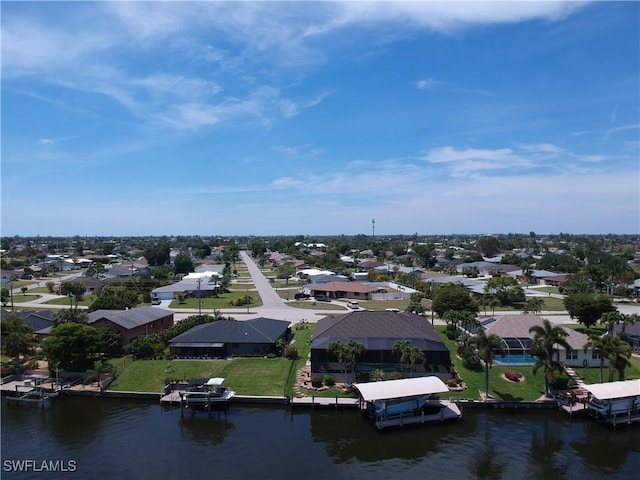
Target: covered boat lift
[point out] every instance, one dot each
(406, 401)
(615, 402)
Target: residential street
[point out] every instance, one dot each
(275, 307)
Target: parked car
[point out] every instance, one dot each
(302, 296)
(155, 301)
(353, 305)
(322, 298)
(392, 310)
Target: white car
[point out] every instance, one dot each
(353, 305)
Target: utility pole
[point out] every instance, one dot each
(199, 298)
(373, 227)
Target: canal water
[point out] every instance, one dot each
(93, 438)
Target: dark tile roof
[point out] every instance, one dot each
(257, 330)
(378, 330)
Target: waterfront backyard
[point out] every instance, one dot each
(261, 376)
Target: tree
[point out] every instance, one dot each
(610, 319)
(286, 270)
(354, 350)
(183, 263)
(95, 270)
(505, 289)
(489, 246)
(18, 338)
(72, 346)
(487, 346)
(24, 290)
(533, 305)
(73, 290)
(115, 298)
(157, 254)
(453, 296)
(5, 296)
(546, 338)
(603, 345)
(66, 316)
(619, 355)
(50, 286)
(337, 349)
(588, 309)
(425, 255)
(455, 318)
(347, 354)
(408, 353)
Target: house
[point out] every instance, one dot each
(378, 332)
(225, 338)
(134, 322)
(517, 340)
(630, 333)
(8, 276)
(351, 290)
(194, 287)
(36, 319)
(92, 285)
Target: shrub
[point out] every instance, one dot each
(472, 361)
(452, 382)
(396, 375)
(316, 381)
(559, 381)
(329, 380)
(513, 376)
(291, 352)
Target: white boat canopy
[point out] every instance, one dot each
(611, 390)
(406, 387)
(215, 381)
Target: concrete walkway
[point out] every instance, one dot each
(574, 376)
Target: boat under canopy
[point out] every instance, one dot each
(406, 401)
(405, 387)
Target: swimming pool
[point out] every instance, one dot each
(514, 360)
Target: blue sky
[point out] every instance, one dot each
(143, 118)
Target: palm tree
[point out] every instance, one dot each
(353, 351)
(338, 350)
(402, 348)
(546, 338)
(610, 319)
(487, 346)
(603, 345)
(619, 355)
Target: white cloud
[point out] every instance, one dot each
(426, 84)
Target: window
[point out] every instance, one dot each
(572, 355)
(595, 355)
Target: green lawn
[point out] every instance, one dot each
(86, 301)
(592, 375)
(40, 290)
(247, 376)
(531, 389)
(20, 298)
(219, 302)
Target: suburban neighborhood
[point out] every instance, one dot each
(378, 308)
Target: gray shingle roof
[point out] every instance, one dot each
(378, 330)
(257, 330)
(130, 318)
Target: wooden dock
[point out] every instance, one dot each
(336, 402)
